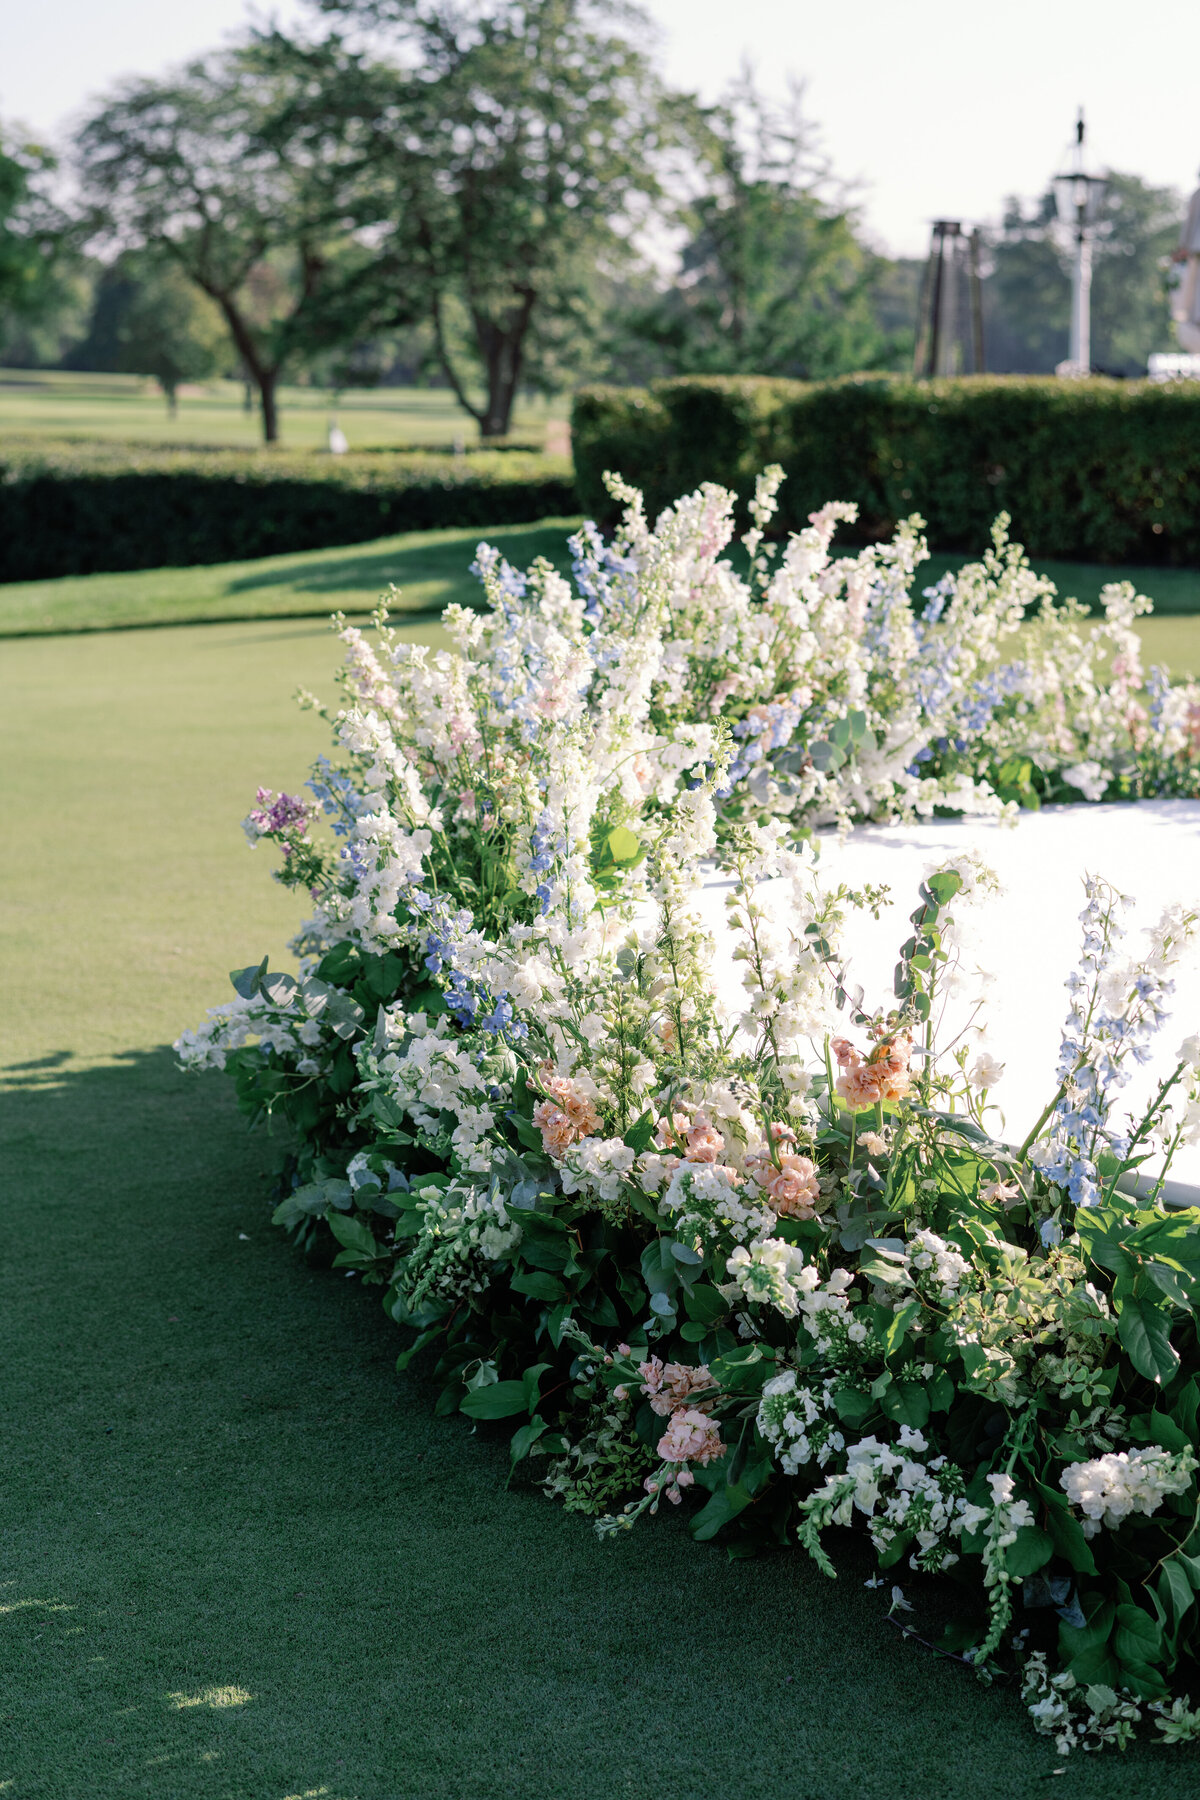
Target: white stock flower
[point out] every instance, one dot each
(985, 1071)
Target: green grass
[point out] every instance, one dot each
(53, 404)
(1175, 591)
(242, 1561)
(430, 567)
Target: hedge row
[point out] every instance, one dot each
(1099, 471)
(74, 509)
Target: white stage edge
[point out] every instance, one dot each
(1028, 937)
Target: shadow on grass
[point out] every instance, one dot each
(419, 563)
(244, 1562)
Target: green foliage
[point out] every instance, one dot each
(494, 157)
(29, 228)
(1099, 469)
(194, 168)
(774, 277)
(73, 509)
(149, 319)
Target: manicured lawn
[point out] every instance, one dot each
(1172, 590)
(242, 1559)
(55, 404)
(430, 567)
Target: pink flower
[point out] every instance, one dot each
(702, 1141)
(676, 1385)
(883, 1076)
(791, 1187)
(566, 1116)
(691, 1437)
(558, 1133)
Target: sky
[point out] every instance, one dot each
(931, 108)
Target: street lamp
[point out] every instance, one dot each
(1077, 197)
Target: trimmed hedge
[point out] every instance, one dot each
(1094, 471)
(81, 508)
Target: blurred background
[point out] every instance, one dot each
(442, 219)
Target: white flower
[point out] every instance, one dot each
(985, 1071)
(768, 1273)
(1108, 1488)
(1189, 1051)
(1091, 778)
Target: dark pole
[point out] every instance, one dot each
(935, 322)
(921, 345)
(976, 305)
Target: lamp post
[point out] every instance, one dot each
(1077, 198)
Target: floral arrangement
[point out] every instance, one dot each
(774, 1256)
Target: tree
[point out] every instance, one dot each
(188, 167)
(148, 318)
(499, 158)
(35, 271)
(1027, 294)
(774, 277)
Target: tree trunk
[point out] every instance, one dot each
(265, 376)
(503, 351)
(169, 390)
(270, 416)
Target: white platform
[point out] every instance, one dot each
(1029, 936)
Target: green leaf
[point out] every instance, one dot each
(524, 1438)
(623, 846)
(527, 1131)
(530, 1382)
(1145, 1331)
(1138, 1638)
(703, 1304)
(600, 1310)
(944, 885)
(941, 1391)
(354, 1235)
(853, 1406)
(1171, 1282)
(1065, 1529)
(1175, 1590)
(1159, 1428)
(499, 1400)
(683, 1253)
(826, 756)
(879, 1268)
(660, 1271)
(893, 1335)
(556, 1323)
(640, 1133)
(539, 1285)
(246, 982)
(906, 1402)
(1030, 1552)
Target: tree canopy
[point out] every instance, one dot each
(497, 160)
(195, 168)
(775, 278)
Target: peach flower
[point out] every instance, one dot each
(558, 1133)
(566, 1116)
(702, 1141)
(676, 1385)
(883, 1076)
(691, 1437)
(791, 1186)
